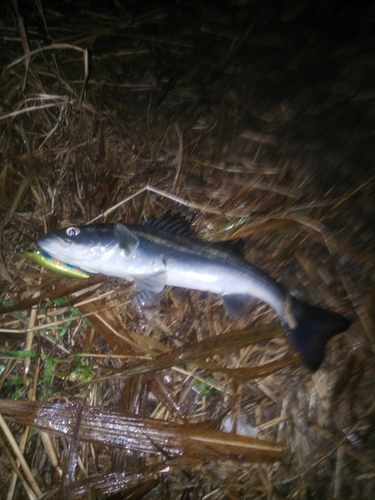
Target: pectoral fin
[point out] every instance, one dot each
(127, 239)
(238, 305)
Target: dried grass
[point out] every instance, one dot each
(256, 120)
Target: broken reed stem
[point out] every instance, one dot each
(20, 457)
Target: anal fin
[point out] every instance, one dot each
(238, 305)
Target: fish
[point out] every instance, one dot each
(47, 261)
(166, 252)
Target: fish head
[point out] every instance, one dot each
(86, 247)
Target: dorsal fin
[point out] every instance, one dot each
(176, 224)
(235, 246)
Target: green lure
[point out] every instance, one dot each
(49, 262)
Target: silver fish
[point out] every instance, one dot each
(165, 252)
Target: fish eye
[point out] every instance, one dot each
(72, 231)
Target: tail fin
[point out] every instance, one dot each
(309, 328)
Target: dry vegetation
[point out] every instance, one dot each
(258, 122)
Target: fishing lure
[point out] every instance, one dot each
(45, 260)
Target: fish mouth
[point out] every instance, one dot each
(88, 257)
(54, 246)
